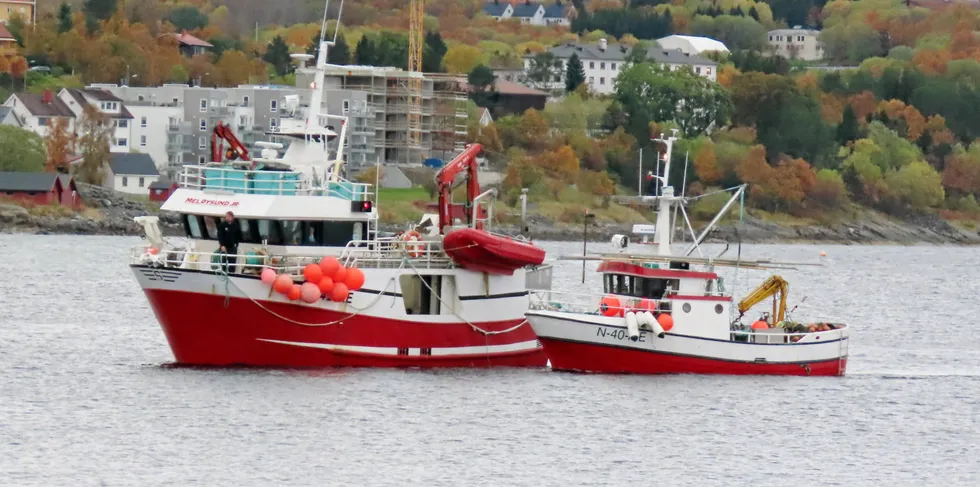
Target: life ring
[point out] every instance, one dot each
(413, 244)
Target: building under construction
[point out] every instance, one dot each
(386, 123)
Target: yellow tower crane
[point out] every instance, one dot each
(415, 47)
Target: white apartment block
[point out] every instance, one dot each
(797, 43)
(602, 63)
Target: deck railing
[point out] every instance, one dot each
(546, 300)
(263, 182)
(393, 252)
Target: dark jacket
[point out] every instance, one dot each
(229, 234)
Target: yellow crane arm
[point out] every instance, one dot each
(771, 286)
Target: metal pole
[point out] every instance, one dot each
(585, 240)
(659, 186)
(639, 180)
(683, 192)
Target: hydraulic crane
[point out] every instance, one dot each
(772, 286)
(236, 150)
(465, 161)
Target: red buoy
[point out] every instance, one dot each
(609, 306)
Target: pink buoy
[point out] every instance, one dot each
(268, 276)
(309, 292)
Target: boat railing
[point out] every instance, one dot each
(778, 335)
(267, 182)
(547, 300)
(250, 263)
(486, 199)
(391, 252)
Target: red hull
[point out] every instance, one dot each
(201, 331)
(586, 357)
(481, 251)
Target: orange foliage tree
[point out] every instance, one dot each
(706, 164)
(59, 144)
(863, 104)
(561, 164)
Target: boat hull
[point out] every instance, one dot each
(208, 322)
(482, 251)
(588, 343)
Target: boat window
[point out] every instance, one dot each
(337, 234)
(269, 230)
(358, 231)
(312, 233)
(292, 232)
(421, 294)
(247, 235)
(624, 285)
(192, 224)
(211, 224)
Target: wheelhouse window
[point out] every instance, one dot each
(192, 224)
(269, 230)
(292, 232)
(640, 287)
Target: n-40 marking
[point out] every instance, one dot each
(619, 334)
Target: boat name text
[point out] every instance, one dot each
(199, 201)
(619, 334)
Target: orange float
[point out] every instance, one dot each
(312, 273)
(666, 321)
(283, 284)
(325, 285)
(340, 275)
(268, 276)
(355, 279)
(309, 292)
(760, 325)
(646, 305)
(329, 266)
(294, 293)
(339, 292)
(610, 306)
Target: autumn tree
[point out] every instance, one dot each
(561, 164)
(828, 189)
(232, 69)
(462, 58)
(95, 133)
(596, 183)
(59, 145)
(706, 165)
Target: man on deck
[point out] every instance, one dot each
(229, 236)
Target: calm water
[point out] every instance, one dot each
(85, 398)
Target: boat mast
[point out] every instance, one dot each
(316, 99)
(666, 199)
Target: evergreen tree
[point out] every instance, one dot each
(848, 128)
(96, 10)
(364, 52)
(277, 55)
(339, 53)
(754, 13)
(574, 73)
(64, 18)
(435, 49)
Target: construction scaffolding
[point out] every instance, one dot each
(415, 47)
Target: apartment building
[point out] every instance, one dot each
(797, 43)
(110, 106)
(24, 8)
(602, 63)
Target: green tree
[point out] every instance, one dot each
(64, 18)
(364, 54)
(917, 186)
(435, 49)
(574, 73)
(96, 10)
(187, 17)
(847, 130)
(277, 55)
(481, 79)
(652, 93)
(542, 69)
(20, 150)
(339, 53)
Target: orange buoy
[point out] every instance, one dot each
(646, 305)
(294, 293)
(309, 292)
(325, 285)
(153, 251)
(268, 276)
(283, 284)
(339, 292)
(666, 321)
(329, 266)
(340, 275)
(355, 279)
(312, 273)
(760, 325)
(823, 254)
(609, 306)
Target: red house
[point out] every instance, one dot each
(69, 192)
(42, 188)
(161, 189)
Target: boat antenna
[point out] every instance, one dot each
(337, 28)
(323, 25)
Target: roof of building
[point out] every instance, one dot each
(505, 87)
(37, 107)
(618, 52)
(162, 183)
(132, 163)
(5, 34)
(66, 179)
(189, 40)
(794, 31)
(495, 9)
(525, 10)
(557, 10)
(100, 95)
(694, 44)
(27, 181)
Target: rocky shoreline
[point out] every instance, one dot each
(116, 213)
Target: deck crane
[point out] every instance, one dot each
(465, 161)
(771, 287)
(236, 150)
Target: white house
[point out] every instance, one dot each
(602, 63)
(131, 173)
(693, 45)
(533, 13)
(7, 117)
(529, 13)
(498, 9)
(35, 112)
(559, 13)
(109, 105)
(797, 43)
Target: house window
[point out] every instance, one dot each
(204, 105)
(613, 66)
(42, 121)
(273, 122)
(799, 38)
(697, 70)
(202, 142)
(204, 125)
(602, 65)
(140, 98)
(591, 80)
(708, 71)
(142, 182)
(176, 101)
(557, 78)
(142, 141)
(200, 159)
(591, 64)
(770, 38)
(273, 105)
(602, 81)
(346, 106)
(123, 124)
(125, 181)
(143, 122)
(243, 121)
(244, 101)
(122, 142)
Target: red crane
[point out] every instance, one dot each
(236, 150)
(465, 161)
